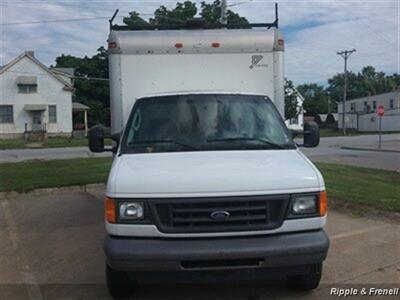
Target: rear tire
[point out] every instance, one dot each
(118, 284)
(308, 281)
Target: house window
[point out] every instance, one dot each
(353, 106)
(52, 114)
(391, 103)
(373, 105)
(6, 114)
(27, 88)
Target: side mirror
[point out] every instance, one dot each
(96, 139)
(311, 135)
(295, 132)
(116, 137)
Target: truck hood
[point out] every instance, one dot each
(212, 173)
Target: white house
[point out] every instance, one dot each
(34, 98)
(296, 123)
(361, 112)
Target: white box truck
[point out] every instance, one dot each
(207, 182)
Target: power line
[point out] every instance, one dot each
(239, 3)
(55, 8)
(88, 15)
(53, 21)
(367, 25)
(49, 8)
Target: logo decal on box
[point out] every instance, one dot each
(255, 61)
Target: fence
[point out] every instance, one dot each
(31, 127)
(370, 122)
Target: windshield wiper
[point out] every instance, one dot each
(166, 142)
(272, 144)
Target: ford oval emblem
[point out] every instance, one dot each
(220, 215)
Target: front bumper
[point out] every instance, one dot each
(281, 251)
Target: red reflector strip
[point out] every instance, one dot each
(112, 45)
(215, 45)
(281, 42)
(178, 45)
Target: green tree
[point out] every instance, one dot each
(211, 13)
(336, 85)
(372, 82)
(396, 79)
(176, 16)
(316, 99)
(366, 82)
(134, 20)
(187, 10)
(93, 93)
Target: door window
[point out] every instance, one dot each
(37, 117)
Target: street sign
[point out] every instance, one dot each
(380, 111)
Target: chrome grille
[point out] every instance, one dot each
(235, 213)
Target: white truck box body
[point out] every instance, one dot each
(149, 63)
(175, 192)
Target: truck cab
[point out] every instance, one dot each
(207, 182)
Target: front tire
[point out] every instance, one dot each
(118, 284)
(308, 281)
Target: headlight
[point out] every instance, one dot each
(131, 211)
(302, 205)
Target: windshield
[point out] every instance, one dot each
(204, 122)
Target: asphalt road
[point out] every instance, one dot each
(51, 248)
(328, 151)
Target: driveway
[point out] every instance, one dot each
(328, 151)
(53, 249)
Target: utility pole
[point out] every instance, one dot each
(345, 54)
(223, 12)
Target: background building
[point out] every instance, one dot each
(34, 98)
(296, 123)
(361, 112)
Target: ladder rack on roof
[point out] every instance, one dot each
(194, 24)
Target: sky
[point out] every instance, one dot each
(314, 31)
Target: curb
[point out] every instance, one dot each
(50, 191)
(369, 149)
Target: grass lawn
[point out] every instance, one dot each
(378, 189)
(26, 176)
(374, 188)
(331, 132)
(55, 142)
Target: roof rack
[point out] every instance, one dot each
(194, 25)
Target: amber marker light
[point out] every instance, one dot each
(323, 203)
(109, 210)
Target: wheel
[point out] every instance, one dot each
(308, 281)
(118, 284)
